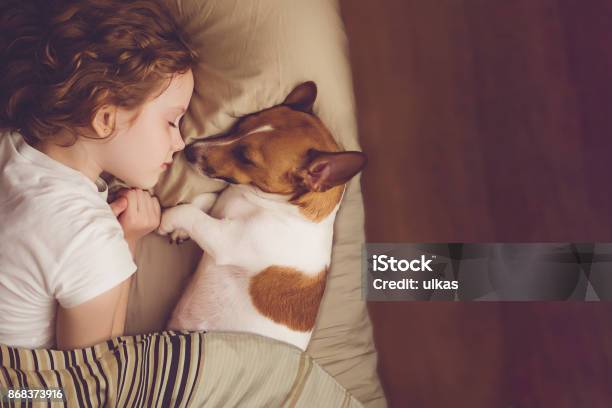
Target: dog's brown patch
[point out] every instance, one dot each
(316, 206)
(275, 155)
(288, 296)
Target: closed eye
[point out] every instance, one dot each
(241, 155)
(172, 125)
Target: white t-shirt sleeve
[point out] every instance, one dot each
(97, 260)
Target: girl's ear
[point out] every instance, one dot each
(104, 120)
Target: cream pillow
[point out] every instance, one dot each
(253, 53)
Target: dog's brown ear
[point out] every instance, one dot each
(329, 169)
(302, 97)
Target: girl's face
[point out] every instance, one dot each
(140, 153)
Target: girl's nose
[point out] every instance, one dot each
(179, 143)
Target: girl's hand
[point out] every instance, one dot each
(138, 212)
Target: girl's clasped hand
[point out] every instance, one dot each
(138, 213)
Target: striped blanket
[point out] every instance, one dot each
(171, 369)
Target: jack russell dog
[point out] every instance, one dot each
(267, 242)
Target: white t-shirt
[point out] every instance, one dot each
(59, 242)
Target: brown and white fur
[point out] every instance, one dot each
(267, 243)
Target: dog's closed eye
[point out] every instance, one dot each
(241, 155)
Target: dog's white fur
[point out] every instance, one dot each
(247, 231)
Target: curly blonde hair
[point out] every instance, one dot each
(62, 60)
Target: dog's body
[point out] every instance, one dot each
(266, 254)
(223, 294)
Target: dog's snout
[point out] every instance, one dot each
(196, 155)
(190, 154)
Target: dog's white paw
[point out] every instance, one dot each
(178, 237)
(174, 223)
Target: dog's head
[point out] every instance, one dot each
(282, 150)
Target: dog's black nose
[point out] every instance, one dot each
(190, 153)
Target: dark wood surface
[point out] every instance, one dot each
(487, 121)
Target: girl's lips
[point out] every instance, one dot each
(166, 165)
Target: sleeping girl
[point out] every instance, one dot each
(86, 87)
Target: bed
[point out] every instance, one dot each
(252, 54)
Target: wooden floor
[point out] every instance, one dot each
(487, 121)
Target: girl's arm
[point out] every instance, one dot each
(120, 317)
(104, 316)
(94, 321)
